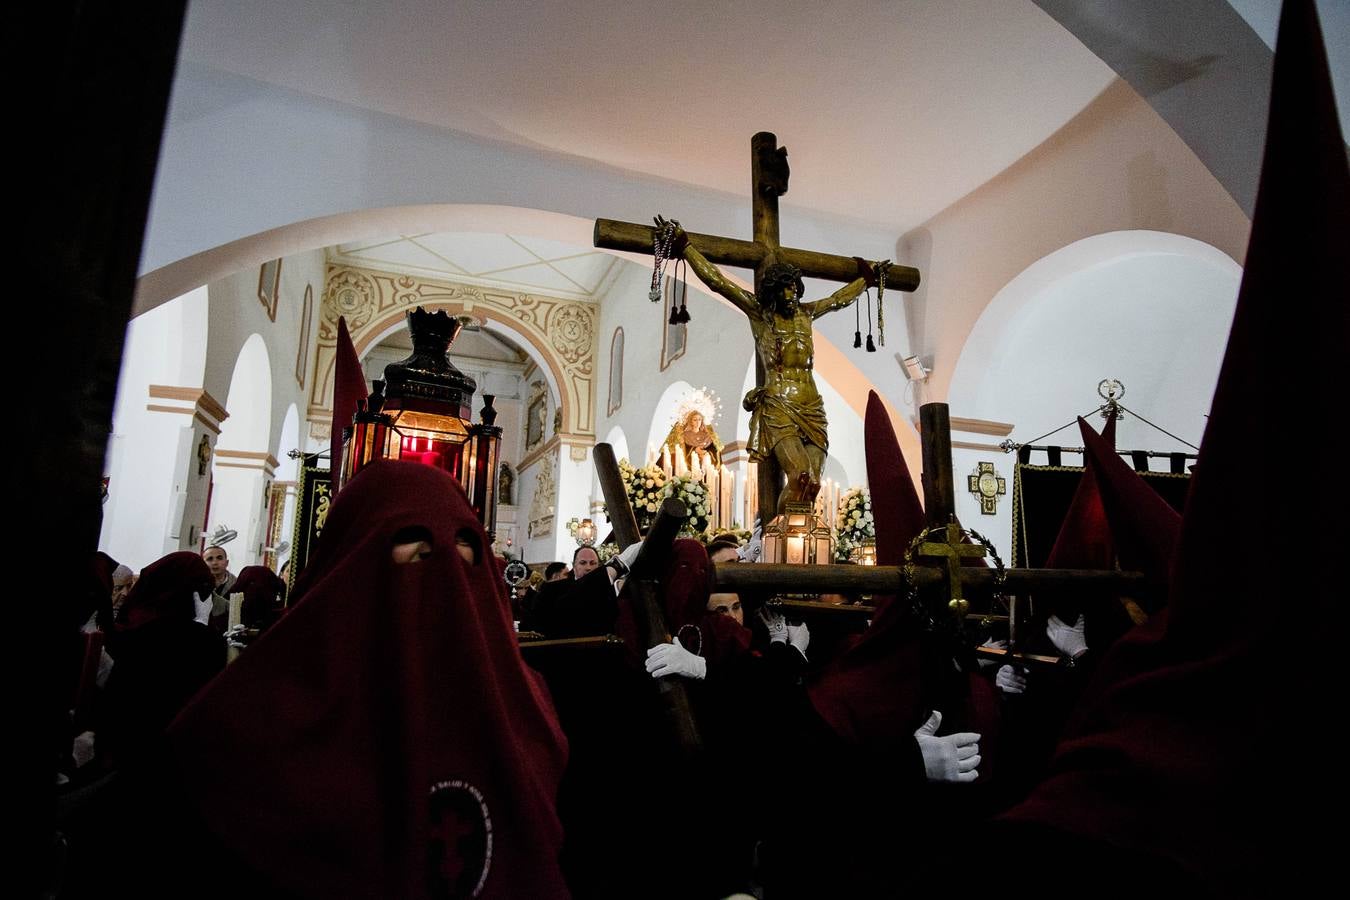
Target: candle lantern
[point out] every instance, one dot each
(421, 413)
(798, 536)
(864, 554)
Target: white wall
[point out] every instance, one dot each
(156, 498)
(157, 501)
(1152, 310)
(236, 314)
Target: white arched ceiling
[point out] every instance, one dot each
(1150, 309)
(250, 400)
(287, 468)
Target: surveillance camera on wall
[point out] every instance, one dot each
(914, 370)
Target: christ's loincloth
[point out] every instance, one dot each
(772, 419)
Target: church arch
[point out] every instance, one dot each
(372, 335)
(243, 468)
(559, 334)
(619, 441)
(1151, 309)
(249, 401)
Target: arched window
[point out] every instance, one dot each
(615, 373)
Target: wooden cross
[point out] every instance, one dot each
(769, 181)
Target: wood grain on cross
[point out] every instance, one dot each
(769, 181)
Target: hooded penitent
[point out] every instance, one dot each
(1197, 753)
(384, 738)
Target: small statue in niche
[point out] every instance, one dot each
(557, 420)
(506, 481)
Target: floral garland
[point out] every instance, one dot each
(853, 523)
(694, 495)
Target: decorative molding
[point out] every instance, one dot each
(560, 333)
(975, 445)
(554, 445)
(202, 400)
(248, 454)
(246, 459)
(547, 447)
(981, 426)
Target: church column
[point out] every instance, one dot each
(158, 473)
(239, 500)
(575, 471)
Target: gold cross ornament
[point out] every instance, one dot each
(952, 549)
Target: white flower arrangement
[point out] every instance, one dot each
(741, 535)
(853, 524)
(644, 488)
(694, 495)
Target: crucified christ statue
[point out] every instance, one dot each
(769, 181)
(787, 415)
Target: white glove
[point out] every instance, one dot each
(996, 645)
(201, 609)
(630, 554)
(82, 750)
(799, 636)
(753, 548)
(673, 659)
(954, 758)
(1068, 639)
(1010, 681)
(777, 625)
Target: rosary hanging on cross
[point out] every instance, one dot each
(880, 269)
(663, 239)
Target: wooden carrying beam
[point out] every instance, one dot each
(798, 579)
(596, 642)
(611, 234)
(642, 589)
(1024, 660)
